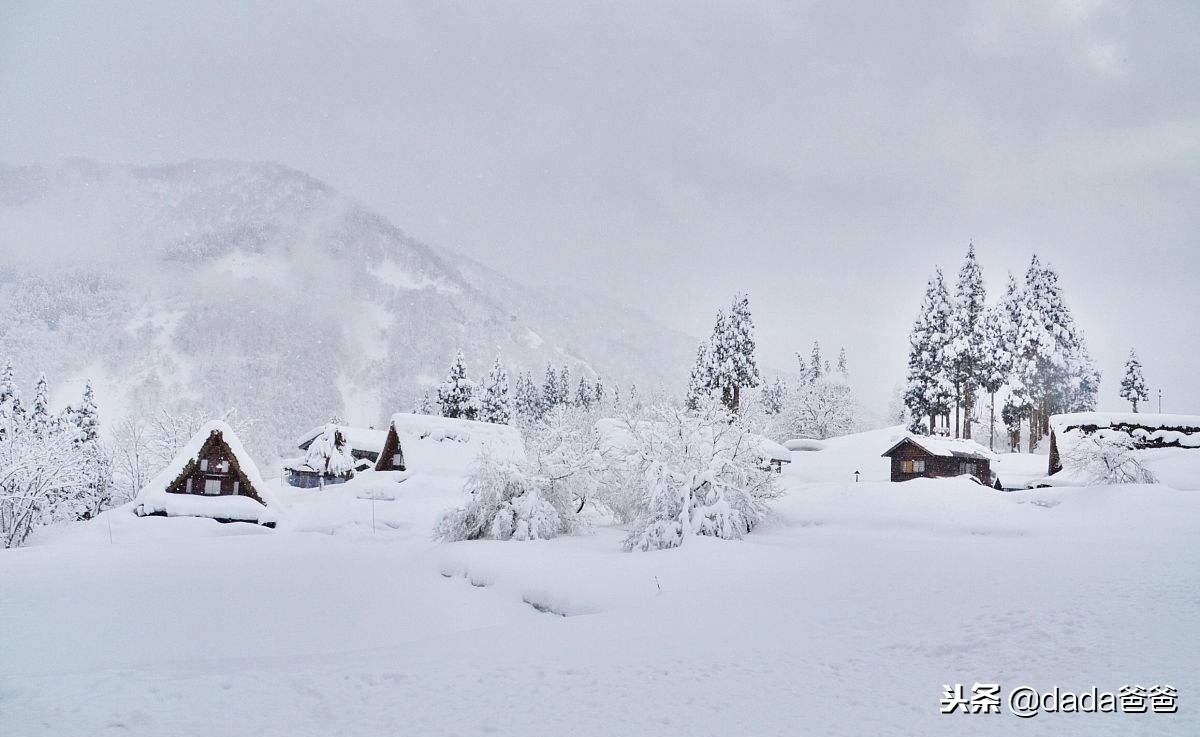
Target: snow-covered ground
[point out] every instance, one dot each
(844, 615)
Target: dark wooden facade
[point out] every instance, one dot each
(911, 461)
(392, 456)
(214, 471)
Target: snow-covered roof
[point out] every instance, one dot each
(804, 444)
(449, 445)
(1150, 421)
(357, 438)
(774, 451)
(154, 497)
(944, 447)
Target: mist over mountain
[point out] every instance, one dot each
(210, 285)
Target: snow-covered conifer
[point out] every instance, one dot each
(700, 382)
(966, 340)
(731, 353)
(815, 369)
(584, 394)
(551, 392)
(929, 392)
(527, 399)
(456, 392)
(496, 404)
(40, 421)
(842, 367)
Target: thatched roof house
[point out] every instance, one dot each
(1144, 431)
(211, 476)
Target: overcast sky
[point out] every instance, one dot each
(824, 157)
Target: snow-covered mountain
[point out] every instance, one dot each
(217, 285)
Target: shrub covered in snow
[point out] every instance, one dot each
(1104, 457)
(688, 473)
(506, 501)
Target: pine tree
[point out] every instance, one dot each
(496, 405)
(599, 390)
(1052, 370)
(456, 392)
(995, 360)
(40, 420)
(967, 340)
(10, 405)
(731, 353)
(583, 394)
(527, 399)
(814, 362)
(564, 387)
(842, 367)
(1133, 386)
(550, 390)
(929, 391)
(700, 383)
(86, 416)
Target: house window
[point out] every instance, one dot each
(203, 464)
(967, 468)
(212, 487)
(919, 466)
(237, 488)
(912, 466)
(222, 466)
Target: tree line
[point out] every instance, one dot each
(499, 400)
(1026, 349)
(52, 464)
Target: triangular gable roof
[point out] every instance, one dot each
(943, 447)
(181, 465)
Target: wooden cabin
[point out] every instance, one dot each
(211, 476)
(1144, 431)
(915, 457)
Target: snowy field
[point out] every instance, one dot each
(844, 615)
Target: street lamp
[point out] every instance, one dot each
(856, 477)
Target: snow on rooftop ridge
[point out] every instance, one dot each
(438, 443)
(358, 438)
(1190, 423)
(947, 447)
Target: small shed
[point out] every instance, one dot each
(211, 476)
(919, 456)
